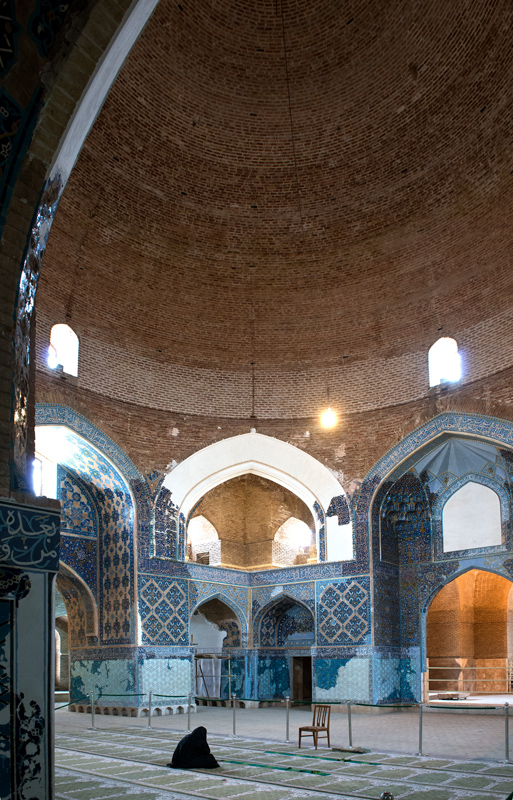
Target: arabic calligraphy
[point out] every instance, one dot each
(29, 538)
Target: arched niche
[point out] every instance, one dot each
(105, 485)
(246, 513)
(270, 458)
(223, 627)
(203, 543)
(471, 518)
(284, 622)
(216, 633)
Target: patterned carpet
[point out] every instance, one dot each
(93, 765)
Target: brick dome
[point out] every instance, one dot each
(316, 188)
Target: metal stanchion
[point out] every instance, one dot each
(234, 703)
(287, 709)
(91, 696)
(420, 729)
(506, 732)
(149, 710)
(349, 726)
(189, 704)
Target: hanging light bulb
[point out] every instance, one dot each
(328, 418)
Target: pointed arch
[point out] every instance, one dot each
(275, 460)
(237, 634)
(405, 453)
(80, 605)
(269, 615)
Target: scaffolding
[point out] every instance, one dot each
(201, 677)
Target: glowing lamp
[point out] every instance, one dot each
(328, 418)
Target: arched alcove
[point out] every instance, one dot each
(467, 634)
(246, 513)
(215, 632)
(292, 544)
(203, 544)
(471, 518)
(284, 623)
(272, 460)
(80, 607)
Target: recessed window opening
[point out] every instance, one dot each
(203, 543)
(51, 448)
(293, 544)
(63, 350)
(444, 362)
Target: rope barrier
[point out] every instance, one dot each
(472, 708)
(385, 705)
(72, 703)
(171, 696)
(122, 695)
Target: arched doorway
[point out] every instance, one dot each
(469, 644)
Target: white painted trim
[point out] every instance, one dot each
(98, 87)
(256, 454)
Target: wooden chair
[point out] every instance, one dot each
(320, 722)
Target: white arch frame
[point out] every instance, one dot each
(261, 455)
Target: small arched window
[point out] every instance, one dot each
(444, 362)
(63, 349)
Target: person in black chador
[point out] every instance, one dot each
(193, 752)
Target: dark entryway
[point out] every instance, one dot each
(301, 678)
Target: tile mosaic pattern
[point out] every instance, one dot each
(55, 414)
(78, 514)
(322, 530)
(110, 495)
(395, 680)
(295, 628)
(9, 31)
(81, 554)
(6, 692)
(273, 676)
(46, 22)
(343, 612)
(405, 517)
(76, 611)
(304, 592)
(338, 679)
(115, 678)
(285, 618)
(166, 676)
(165, 526)
(386, 607)
(236, 597)
(164, 611)
(339, 507)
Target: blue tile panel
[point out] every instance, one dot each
(78, 513)
(116, 678)
(164, 611)
(273, 677)
(343, 612)
(339, 507)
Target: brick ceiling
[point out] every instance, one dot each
(293, 183)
